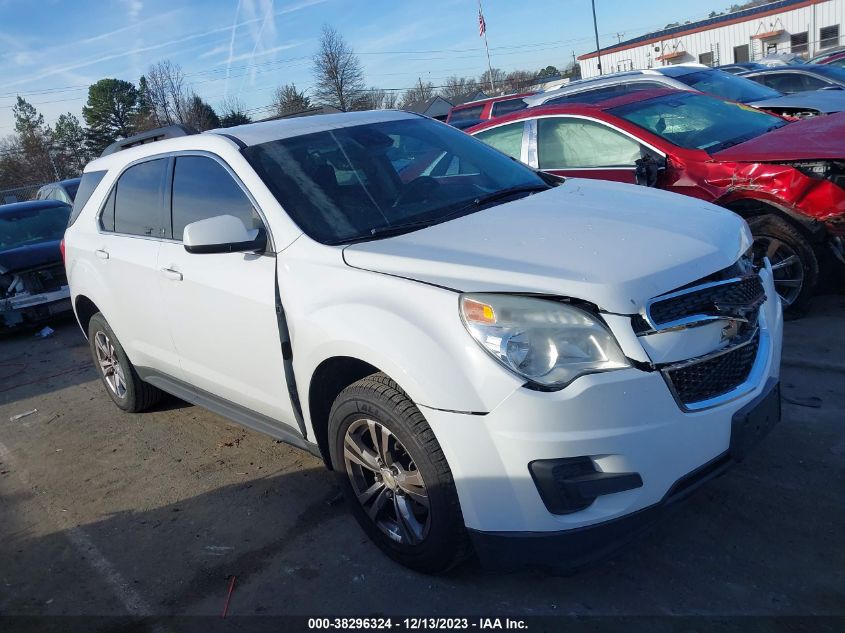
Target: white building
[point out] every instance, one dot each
(784, 26)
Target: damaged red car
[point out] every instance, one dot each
(786, 179)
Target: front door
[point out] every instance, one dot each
(583, 148)
(222, 307)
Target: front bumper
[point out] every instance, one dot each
(574, 548)
(30, 309)
(626, 421)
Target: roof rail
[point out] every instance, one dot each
(150, 136)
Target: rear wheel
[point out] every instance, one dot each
(795, 266)
(122, 383)
(395, 477)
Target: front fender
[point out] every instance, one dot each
(409, 330)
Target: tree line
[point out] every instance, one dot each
(115, 109)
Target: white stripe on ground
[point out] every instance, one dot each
(128, 597)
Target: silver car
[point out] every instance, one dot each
(695, 77)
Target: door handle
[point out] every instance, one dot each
(174, 275)
(102, 254)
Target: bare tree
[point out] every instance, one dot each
(458, 86)
(498, 77)
(371, 99)
(167, 96)
(518, 81)
(339, 79)
(420, 92)
(288, 100)
(391, 100)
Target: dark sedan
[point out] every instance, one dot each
(33, 284)
(741, 67)
(792, 79)
(63, 191)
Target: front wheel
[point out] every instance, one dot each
(795, 266)
(395, 477)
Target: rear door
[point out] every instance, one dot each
(580, 147)
(222, 307)
(131, 225)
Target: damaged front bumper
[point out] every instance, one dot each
(26, 309)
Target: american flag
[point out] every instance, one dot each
(482, 27)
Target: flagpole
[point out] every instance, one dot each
(487, 48)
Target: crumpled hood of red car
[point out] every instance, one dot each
(820, 137)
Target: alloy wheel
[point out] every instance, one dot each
(386, 482)
(787, 269)
(109, 364)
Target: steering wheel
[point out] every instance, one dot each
(419, 189)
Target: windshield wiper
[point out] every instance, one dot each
(476, 203)
(504, 193)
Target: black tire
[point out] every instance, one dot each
(378, 398)
(768, 230)
(137, 395)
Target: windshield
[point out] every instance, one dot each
(352, 183)
(727, 86)
(696, 121)
(31, 226)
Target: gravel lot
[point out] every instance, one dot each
(103, 512)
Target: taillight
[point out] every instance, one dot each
(62, 249)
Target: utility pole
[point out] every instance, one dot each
(596, 29)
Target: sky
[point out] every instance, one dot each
(52, 50)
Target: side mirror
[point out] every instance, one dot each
(648, 168)
(222, 234)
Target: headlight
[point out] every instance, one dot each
(544, 341)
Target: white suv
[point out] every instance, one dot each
(491, 359)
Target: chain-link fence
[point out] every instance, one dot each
(19, 194)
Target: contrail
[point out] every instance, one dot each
(231, 49)
(267, 15)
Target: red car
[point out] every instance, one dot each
(485, 109)
(786, 179)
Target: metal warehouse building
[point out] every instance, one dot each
(785, 26)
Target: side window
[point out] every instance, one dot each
(464, 114)
(202, 188)
(785, 82)
(813, 83)
(89, 182)
(501, 108)
(138, 203)
(577, 143)
(505, 138)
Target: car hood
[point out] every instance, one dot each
(30, 256)
(612, 244)
(808, 139)
(826, 101)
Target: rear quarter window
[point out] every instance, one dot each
(89, 183)
(501, 108)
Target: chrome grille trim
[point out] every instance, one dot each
(753, 380)
(695, 320)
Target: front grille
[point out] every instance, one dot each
(706, 379)
(715, 300)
